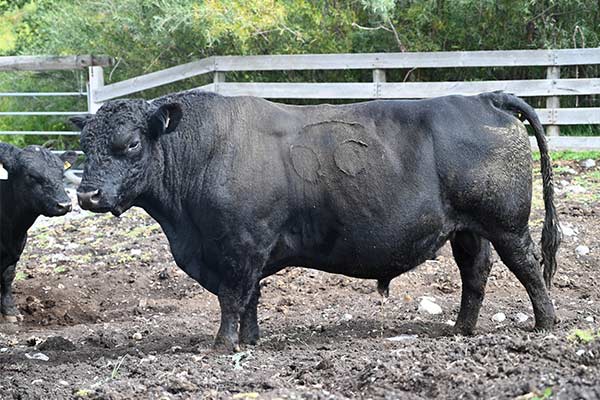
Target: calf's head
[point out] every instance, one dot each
(35, 175)
(120, 144)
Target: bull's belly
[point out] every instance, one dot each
(366, 256)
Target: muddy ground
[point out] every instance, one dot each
(115, 317)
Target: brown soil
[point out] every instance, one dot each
(103, 300)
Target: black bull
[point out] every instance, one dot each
(244, 187)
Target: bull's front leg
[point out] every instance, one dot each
(8, 308)
(230, 301)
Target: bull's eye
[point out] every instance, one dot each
(133, 146)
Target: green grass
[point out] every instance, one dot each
(545, 395)
(584, 335)
(568, 155)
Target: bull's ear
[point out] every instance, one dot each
(165, 119)
(68, 158)
(79, 121)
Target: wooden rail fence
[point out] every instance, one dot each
(552, 87)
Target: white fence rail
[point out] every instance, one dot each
(552, 87)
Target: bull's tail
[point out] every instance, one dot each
(551, 232)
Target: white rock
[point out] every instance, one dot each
(37, 356)
(63, 383)
(582, 250)
(499, 317)
(346, 317)
(567, 230)
(589, 163)
(576, 189)
(37, 381)
(402, 338)
(589, 319)
(427, 306)
(580, 352)
(136, 252)
(137, 336)
(71, 246)
(570, 171)
(4, 350)
(521, 317)
(450, 322)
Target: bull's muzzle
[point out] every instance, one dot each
(89, 200)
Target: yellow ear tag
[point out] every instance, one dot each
(67, 165)
(3, 173)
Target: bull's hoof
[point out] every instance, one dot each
(545, 326)
(249, 335)
(464, 330)
(225, 345)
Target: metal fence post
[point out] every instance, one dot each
(553, 102)
(95, 81)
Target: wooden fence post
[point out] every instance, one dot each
(553, 102)
(95, 81)
(378, 78)
(219, 77)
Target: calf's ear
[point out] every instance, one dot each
(165, 119)
(79, 121)
(68, 158)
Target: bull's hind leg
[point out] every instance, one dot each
(249, 332)
(8, 309)
(518, 252)
(472, 254)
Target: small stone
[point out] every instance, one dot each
(37, 356)
(589, 319)
(499, 317)
(137, 336)
(163, 275)
(589, 163)
(567, 230)
(347, 317)
(428, 306)
(569, 171)
(4, 350)
(580, 352)
(576, 189)
(136, 252)
(63, 383)
(582, 250)
(37, 381)
(402, 338)
(450, 322)
(521, 317)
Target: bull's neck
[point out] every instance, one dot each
(175, 180)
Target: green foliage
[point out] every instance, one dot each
(146, 36)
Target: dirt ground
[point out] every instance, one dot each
(108, 315)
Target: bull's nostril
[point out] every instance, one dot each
(89, 199)
(95, 196)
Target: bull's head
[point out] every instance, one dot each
(120, 144)
(35, 174)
